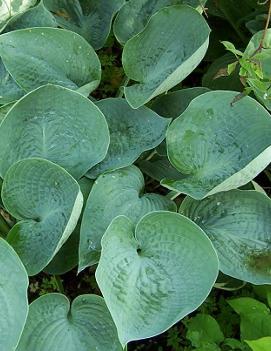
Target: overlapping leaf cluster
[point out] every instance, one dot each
(72, 172)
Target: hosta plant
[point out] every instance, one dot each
(149, 190)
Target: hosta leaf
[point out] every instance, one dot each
(57, 124)
(9, 89)
(67, 257)
(13, 297)
(173, 104)
(47, 202)
(154, 274)
(113, 194)
(176, 39)
(37, 16)
(213, 148)
(10, 8)
(73, 64)
(91, 19)
(135, 14)
(131, 133)
(238, 223)
(55, 325)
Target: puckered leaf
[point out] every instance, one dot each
(135, 14)
(53, 324)
(217, 145)
(73, 64)
(131, 133)
(47, 202)
(238, 223)
(154, 274)
(57, 124)
(113, 194)
(91, 19)
(176, 39)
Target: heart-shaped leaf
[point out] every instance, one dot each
(9, 89)
(154, 274)
(67, 257)
(57, 124)
(212, 147)
(131, 133)
(91, 19)
(135, 14)
(53, 324)
(47, 202)
(13, 297)
(238, 223)
(37, 16)
(10, 8)
(73, 64)
(113, 194)
(177, 38)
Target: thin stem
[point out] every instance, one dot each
(265, 28)
(4, 228)
(232, 22)
(172, 195)
(154, 152)
(124, 84)
(59, 284)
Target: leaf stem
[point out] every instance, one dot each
(232, 22)
(4, 228)
(59, 284)
(123, 84)
(265, 29)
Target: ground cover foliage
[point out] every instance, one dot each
(135, 142)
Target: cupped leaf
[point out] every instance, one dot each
(53, 324)
(135, 14)
(37, 16)
(176, 39)
(47, 202)
(57, 124)
(73, 64)
(13, 297)
(113, 194)
(131, 133)
(218, 145)
(10, 8)
(154, 274)
(9, 89)
(238, 223)
(91, 19)
(67, 257)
